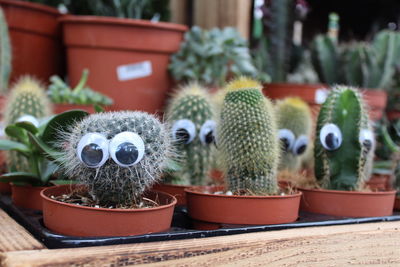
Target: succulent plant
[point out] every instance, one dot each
(191, 115)
(5, 54)
(344, 143)
(295, 128)
(247, 137)
(118, 155)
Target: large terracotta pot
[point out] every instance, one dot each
(74, 220)
(35, 39)
(347, 203)
(203, 205)
(27, 197)
(376, 101)
(127, 58)
(60, 108)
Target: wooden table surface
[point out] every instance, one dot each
(368, 244)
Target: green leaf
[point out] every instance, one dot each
(24, 177)
(16, 132)
(62, 182)
(47, 169)
(27, 126)
(98, 108)
(48, 151)
(12, 145)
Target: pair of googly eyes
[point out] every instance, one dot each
(184, 131)
(126, 149)
(331, 137)
(290, 143)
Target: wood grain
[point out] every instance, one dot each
(363, 244)
(15, 237)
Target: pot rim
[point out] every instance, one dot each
(342, 192)
(123, 22)
(46, 198)
(195, 191)
(30, 5)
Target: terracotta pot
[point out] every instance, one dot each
(35, 38)
(127, 58)
(392, 115)
(379, 182)
(178, 191)
(60, 108)
(74, 220)
(5, 188)
(27, 197)
(347, 203)
(397, 204)
(376, 100)
(209, 207)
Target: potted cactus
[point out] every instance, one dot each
(191, 116)
(343, 151)
(247, 137)
(116, 157)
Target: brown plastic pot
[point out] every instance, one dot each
(376, 101)
(347, 203)
(397, 204)
(27, 197)
(60, 108)
(5, 188)
(127, 58)
(35, 39)
(178, 191)
(74, 220)
(225, 209)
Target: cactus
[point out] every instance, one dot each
(247, 136)
(294, 124)
(5, 54)
(191, 115)
(118, 155)
(27, 101)
(344, 143)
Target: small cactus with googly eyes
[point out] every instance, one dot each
(118, 155)
(344, 142)
(191, 116)
(295, 127)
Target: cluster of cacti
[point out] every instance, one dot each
(295, 127)
(344, 142)
(27, 101)
(247, 137)
(118, 155)
(191, 116)
(5, 54)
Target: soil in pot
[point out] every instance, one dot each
(27, 196)
(347, 203)
(78, 220)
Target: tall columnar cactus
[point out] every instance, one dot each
(27, 101)
(344, 141)
(5, 54)
(247, 137)
(191, 116)
(118, 155)
(295, 127)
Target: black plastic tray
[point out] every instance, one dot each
(181, 227)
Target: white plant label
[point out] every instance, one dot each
(134, 71)
(320, 95)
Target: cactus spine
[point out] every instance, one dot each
(5, 54)
(192, 103)
(294, 114)
(344, 141)
(247, 136)
(112, 183)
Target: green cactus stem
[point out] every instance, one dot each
(5, 54)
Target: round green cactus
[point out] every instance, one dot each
(118, 155)
(191, 116)
(247, 137)
(295, 127)
(344, 142)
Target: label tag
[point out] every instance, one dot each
(320, 95)
(134, 71)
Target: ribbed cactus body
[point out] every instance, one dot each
(343, 152)
(325, 58)
(110, 182)
(195, 157)
(27, 97)
(294, 115)
(5, 54)
(247, 137)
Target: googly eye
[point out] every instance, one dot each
(92, 150)
(29, 118)
(184, 131)
(367, 138)
(127, 149)
(300, 145)
(287, 138)
(330, 137)
(207, 132)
